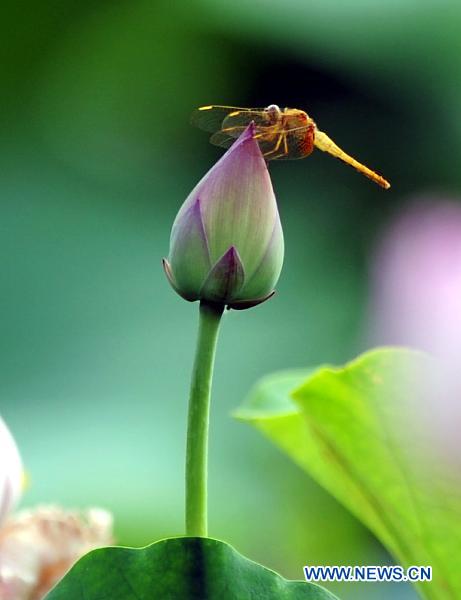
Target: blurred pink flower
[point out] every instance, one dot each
(38, 546)
(416, 301)
(416, 297)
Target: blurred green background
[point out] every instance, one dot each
(97, 156)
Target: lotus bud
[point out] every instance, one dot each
(226, 243)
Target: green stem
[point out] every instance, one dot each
(198, 420)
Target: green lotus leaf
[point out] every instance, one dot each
(178, 569)
(367, 433)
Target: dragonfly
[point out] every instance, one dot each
(281, 134)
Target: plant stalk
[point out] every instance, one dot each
(198, 420)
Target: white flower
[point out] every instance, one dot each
(11, 472)
(38, 546)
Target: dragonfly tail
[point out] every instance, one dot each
(326, 144)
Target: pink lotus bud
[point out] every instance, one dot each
(227, 243)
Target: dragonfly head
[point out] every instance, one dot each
(274, 112)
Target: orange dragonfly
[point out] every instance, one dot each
(282, 134)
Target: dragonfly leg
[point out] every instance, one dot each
(272, 153)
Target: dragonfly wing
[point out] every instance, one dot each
(265, 136)
(239, 119)
(226, 139)
(212, 118)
